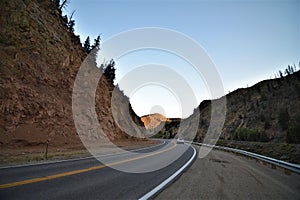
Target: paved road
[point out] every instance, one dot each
(224, 175)
(90, 179)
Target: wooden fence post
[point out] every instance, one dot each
(46, 151)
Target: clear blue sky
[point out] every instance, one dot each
(247, 40)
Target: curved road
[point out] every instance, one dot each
(220, 175)
(89, 179)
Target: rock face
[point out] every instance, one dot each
(39, 60)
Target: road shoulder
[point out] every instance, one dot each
(224, 175)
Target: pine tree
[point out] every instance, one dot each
(96, 42)
(56, 3)
(86, 45)
(63, 5)
(71, 22)
(280, 74)
(110, 70)
(59, 6)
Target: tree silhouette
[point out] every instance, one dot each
(96, 43)
(63, 5)
(56, 3)
(280, 74)
(59, 6)
(71, 22)
(93, 51)
(86, 45)
(109, 70)
(289, 70)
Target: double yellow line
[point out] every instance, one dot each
(34, 180)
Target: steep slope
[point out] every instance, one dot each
(263, 112)
(263, 119)
(269, 111)
(39, 59)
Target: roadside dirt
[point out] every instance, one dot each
(34, 154)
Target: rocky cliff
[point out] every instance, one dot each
(39, 58)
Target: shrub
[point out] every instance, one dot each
(262, 117)
(263, 137)
(246, 134)
(293, 134)
(263, 97)
(267, 124)
(283, 118)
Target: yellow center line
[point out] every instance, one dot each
(34, 180)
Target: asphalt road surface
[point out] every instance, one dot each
(90, 179)
(224, 175)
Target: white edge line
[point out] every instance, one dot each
(76, 159)
(168, 180)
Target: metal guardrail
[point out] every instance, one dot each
(280, 163)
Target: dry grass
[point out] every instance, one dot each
(28, 155)
(282, 151)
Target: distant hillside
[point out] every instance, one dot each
(39, 58)
(153, 120)
(263, 118)
(269, 111)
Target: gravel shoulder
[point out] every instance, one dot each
(224, 175)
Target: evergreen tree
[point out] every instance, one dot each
(71, 22)
(109, 70)
(59, 6)
(56, 3)
(280, 74)
(65, 19)
(96, 43)
(71, 25)
(63, 5)
(86, 45)
(289, 70)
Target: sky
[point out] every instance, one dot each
(248, 41)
